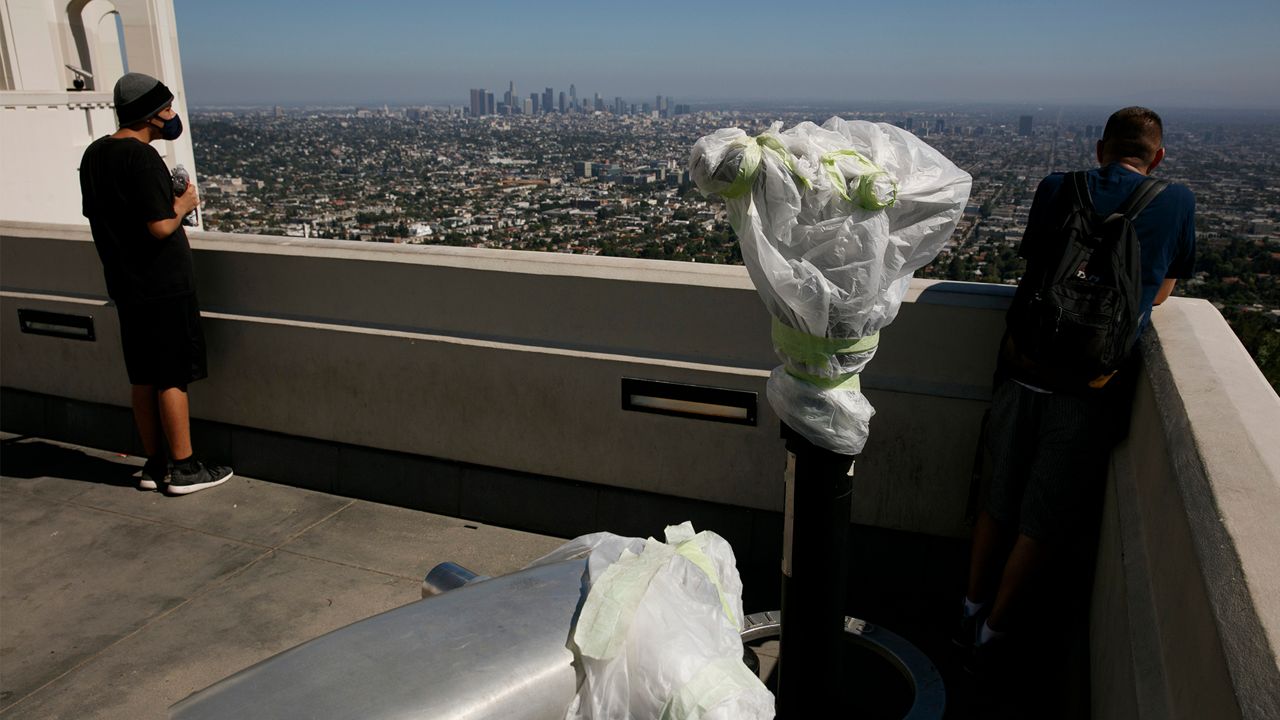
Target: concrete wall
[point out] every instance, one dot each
(42, 137)
(33, 57)
(1186, 608)
(514, 360)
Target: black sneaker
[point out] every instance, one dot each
(154, 474)
(990, 659)
(197, 476)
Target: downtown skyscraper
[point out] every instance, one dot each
(482, 103)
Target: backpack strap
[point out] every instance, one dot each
(1141, 197)
(1079, 181)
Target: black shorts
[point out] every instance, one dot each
(1049, 456)
(163, 341)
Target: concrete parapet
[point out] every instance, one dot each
(514, 360)
(1186, 612)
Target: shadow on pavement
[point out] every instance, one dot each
(24, 458)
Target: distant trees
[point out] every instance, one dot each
(370, 218)
(1260, 335)
(1006, 265)
(958, 268)
(1236, 272)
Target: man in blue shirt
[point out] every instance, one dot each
(1049, 449)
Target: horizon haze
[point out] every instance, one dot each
(1177, 54)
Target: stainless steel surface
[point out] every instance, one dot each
(447, 576)
(495, 649)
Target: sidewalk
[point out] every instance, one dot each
(117, 603)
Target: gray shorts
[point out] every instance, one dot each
(1049, 456)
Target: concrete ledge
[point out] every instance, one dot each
(1222, 417)
(1187, 600)
(513, 360)
(68, 99)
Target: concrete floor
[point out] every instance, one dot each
(117, 603)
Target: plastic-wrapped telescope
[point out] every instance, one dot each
(832, 222)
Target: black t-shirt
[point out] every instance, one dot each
(124, 185)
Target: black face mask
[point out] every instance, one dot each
(172, 128)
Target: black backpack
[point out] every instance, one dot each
(1075, 315)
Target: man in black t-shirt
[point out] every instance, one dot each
(136, 219)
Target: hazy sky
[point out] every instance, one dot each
(1185, 53)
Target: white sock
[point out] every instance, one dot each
(986, 634)
(972, 608)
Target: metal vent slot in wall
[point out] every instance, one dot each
(691, 401)
(62, 325)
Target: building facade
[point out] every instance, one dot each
(59, 62)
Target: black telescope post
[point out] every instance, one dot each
(815, 559)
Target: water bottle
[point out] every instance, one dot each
(181, 180)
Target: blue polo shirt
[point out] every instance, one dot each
(1166, 228)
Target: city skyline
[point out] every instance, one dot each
(1178, 54)
(481, 102)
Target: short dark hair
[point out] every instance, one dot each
(1133, 132)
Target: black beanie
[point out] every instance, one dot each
(138, 97)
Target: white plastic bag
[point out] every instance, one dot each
(658, 634)
(832, 222)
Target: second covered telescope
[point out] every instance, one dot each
(832, 222)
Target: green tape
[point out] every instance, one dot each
(611, 604)
(866, 191)
(806, 349)
(814, 350)
(752, 155)
(689, 549)
(606, 615)
(772, 143)
(837, 180)
(747, 169)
